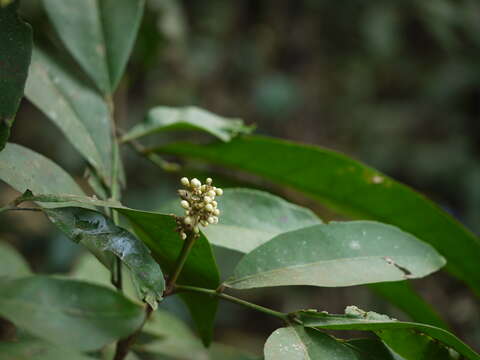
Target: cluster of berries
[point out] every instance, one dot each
(199, 203)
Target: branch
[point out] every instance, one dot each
(182, 258)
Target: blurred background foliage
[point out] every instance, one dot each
(394, 84)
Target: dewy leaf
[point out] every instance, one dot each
(72, 105)
(34, 349)
(250, 218)
(382, 325)
(337, 254)
(158, 232)
(97, 230)
(299, 343)
(24, 169)
(349, 186)
(163, 118)
(99, 33)
(12, 263)
(66, 312)
(15, 52)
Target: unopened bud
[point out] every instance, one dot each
(185, 181)
(207, 199)
(187, 220)
(211, 220)
(219, 191)
(196, 183)
(209, 181)
(216, 212)
(185, 204)
(209, 207)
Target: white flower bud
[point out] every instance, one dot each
(203, 222)
(185, 181)
(214, 204)
(219, 191)
(215, 219)
(207, 199)
(203, 187)
(216, 212)
(196, 230)
(211, 193)
(211, 220)
(187, 220)
(185, 204)
(183, 235)
(209, 207)
(209, 181)
(195, 183)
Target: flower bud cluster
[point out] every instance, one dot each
(199, 203)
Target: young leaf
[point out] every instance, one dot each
(350, 187)
(337, 254)
(99, 33)
(70, 313)
(299, 343)
(158, 232)
(390, 331)
(163, 118)
(250, 218)
(98, 231)
(72, 105)
(24, 169)
(15, 51)
(12, 263)
(34, 349)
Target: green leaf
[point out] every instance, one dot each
(337, 254)
(66, 312)
(299, 343)
(158, 232)
(163, 118)
(372, 349)
(98, 231)
(24, 169)
(72, 105)
(402, 294)
(15, 52)
(99, 33)
(383, 326)
(34, 349)
(11, 262)
(349, 186)
(250, 218)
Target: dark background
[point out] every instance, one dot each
(394, 84)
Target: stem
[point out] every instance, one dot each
(153, 158)
(232, 299)
(182, 258)
(124, 345)
(9, 208)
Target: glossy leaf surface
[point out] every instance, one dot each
(12, 263)
(337, 254)
(158, 232)
(71, 104)
(99, 33)
(348, 186)
(65, 311)
(299, 343)
(15, 52)
(95, 230)
(163, 118)
(356, 319)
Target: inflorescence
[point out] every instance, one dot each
(199, 203)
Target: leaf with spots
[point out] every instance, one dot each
(15, 52)
(336, 254)
(99, 33)
(163, 118)
(412, 341)
(75, 107)
(95, 230)
(299, 343)
(348, 186)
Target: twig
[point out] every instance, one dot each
(180, 263)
